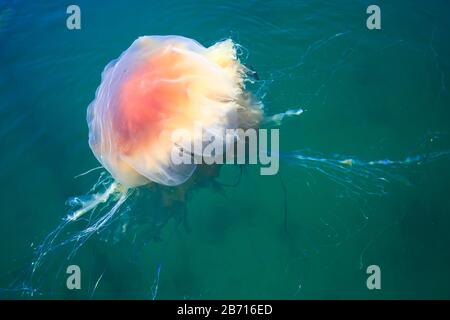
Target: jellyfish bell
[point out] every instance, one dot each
(158, 85)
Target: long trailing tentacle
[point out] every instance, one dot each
(110, 200)
(357, 175)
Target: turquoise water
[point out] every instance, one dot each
(374, 94)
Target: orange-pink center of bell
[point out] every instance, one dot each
(148, 98)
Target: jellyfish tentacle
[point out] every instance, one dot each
(361, 176)
(277, 119)
(96, 200)
(87, 172)
(113, 197)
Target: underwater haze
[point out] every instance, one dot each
(309, 232)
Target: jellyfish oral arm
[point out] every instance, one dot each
(96, 200)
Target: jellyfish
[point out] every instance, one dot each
(158, 85)
(162, 84)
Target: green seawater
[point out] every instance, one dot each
(374, 94)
